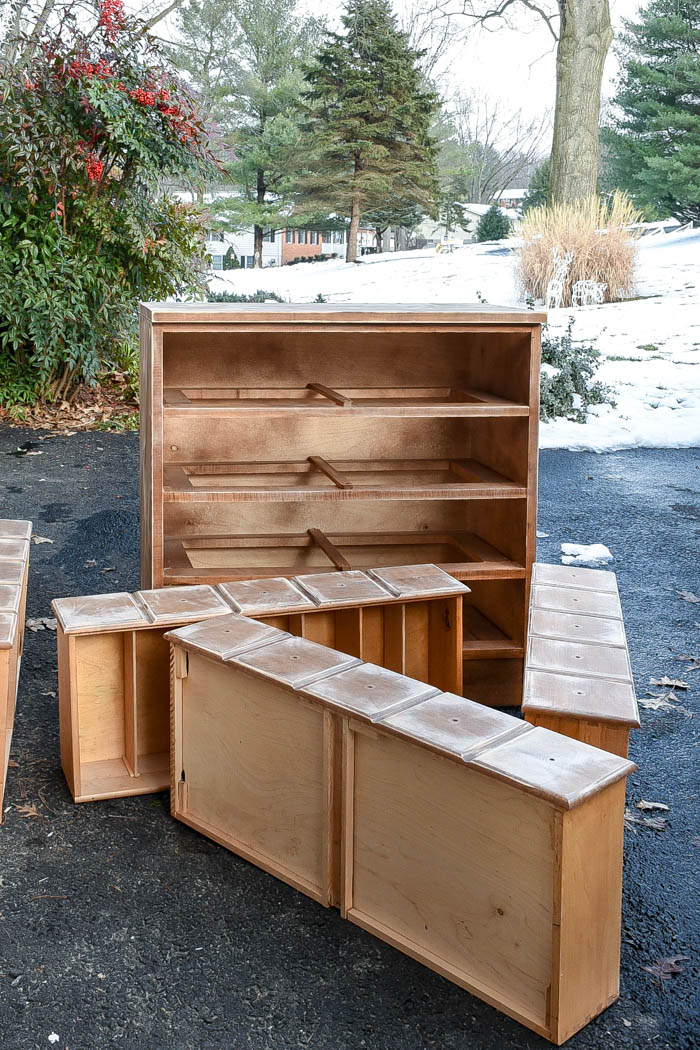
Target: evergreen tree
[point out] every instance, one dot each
(494, 225)
(654, 142)
(369, 116)
(538, 191)
(246, 55)
(396, 212)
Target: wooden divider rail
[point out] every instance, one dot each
(578, 679)
(113, 671)
(485, 848)
(14, 568)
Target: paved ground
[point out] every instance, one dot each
(121, 928)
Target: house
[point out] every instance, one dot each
(436, 233)
(511, 198)
(282, 246)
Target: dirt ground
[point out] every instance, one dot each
(121, 928)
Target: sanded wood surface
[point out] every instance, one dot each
(462, 836)
(14, 569)
(578, 679)
(113, 661)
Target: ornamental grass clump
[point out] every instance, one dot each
(91, 123)
(597, 232)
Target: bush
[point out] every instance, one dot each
(90, 123)
(570, 389)
(494, 225)
(233, 297)
(597, 233)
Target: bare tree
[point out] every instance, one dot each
(582, 33)
(496, 146)
(433, 36)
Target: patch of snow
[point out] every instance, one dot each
(650, 345)
(54, 1038)
(592, 554)
(549, 370)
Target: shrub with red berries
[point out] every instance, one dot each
(93, 123)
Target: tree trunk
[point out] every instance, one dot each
(257, 246)
(351, 254)
(261, 189)
(379, 237)
(584, 39)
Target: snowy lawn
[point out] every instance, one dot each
(650, 345)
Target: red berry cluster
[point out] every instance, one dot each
(82, 68)
(111, 17)
(142, 95)
(95, 167)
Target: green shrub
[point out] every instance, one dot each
(494, 225)
(572, 389)
(233, 297)
(91, 123)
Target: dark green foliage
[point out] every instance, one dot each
(231, 259)
(538, 190)
(454, 194)
(493, 226)
(232, 297)
(572, 389)
(653, 142)
(369, 116)
(90, 126)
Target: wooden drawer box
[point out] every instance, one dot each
(578, 679)
(14, 569)
(485, 848)
(113, 661)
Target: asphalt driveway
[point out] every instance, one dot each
(122, 928)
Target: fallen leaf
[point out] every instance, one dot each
(694, 661)
(687, 596)
(90, 563)
(642, 804)
(49, 692)
(41, 539)
(41, 623)
(663, 968)
(626, 1023)
(542, 535)
(108, 568)
(653, 823)
(670, 683)
(28, 811)
(12, 764)
(664, 702)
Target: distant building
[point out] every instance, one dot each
(282, 246)
(511, 198)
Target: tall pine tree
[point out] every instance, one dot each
(369, 115)
(654, 142)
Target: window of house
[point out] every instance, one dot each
(249, 262)
(338, 236)
(289, 236)
(269, 236)
(302, 236)
(217, 262)
(314, 237)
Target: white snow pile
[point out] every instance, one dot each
(650, 345)
(592, 554)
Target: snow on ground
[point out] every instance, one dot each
(650, 345)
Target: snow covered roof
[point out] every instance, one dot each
(512, 194)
